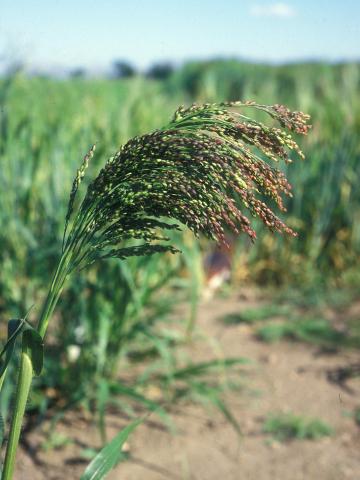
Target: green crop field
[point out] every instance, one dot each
(121, 312)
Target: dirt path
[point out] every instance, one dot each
(283, 377)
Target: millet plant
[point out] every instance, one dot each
(204, 170)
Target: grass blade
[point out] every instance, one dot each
(109, 456)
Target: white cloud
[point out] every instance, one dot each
(273, 10)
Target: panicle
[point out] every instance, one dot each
(208, 167)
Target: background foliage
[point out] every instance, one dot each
(121, 312)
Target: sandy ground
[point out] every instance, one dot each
(283, 377)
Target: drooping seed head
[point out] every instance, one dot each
(205, 170)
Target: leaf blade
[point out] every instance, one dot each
(108, 456)
(15, 327)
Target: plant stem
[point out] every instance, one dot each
(53, 296)
(22, 392)
(26, 371)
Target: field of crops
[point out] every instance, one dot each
(116, 319)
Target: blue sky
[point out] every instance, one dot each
(64, 33)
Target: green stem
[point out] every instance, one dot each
(22, 392)
(53, 294)
(26, 371)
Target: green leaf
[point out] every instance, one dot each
(221, 405)
(15, 327)
(203, 367)
(149, 404)
(109, 456)
(102, 399)
(32, 344)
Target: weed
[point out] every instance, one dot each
(311, 330)
(284, 427)
(258, 314)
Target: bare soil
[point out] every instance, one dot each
(282, 377)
